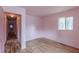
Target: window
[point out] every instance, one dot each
(61, 23)
(69, 23)
(65, 23)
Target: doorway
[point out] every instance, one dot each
(13, 30)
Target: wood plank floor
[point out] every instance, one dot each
(43, 45)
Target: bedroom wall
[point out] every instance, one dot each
(51, 31)
(34, 26)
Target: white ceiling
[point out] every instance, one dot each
(45, 10)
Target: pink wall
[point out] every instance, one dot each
(2, 31)
(34, 26)
(67, 37)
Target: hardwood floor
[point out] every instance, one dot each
(43, 45)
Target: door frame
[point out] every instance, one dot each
(18, 28)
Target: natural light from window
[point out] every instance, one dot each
(61, 24)
(65, 23)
